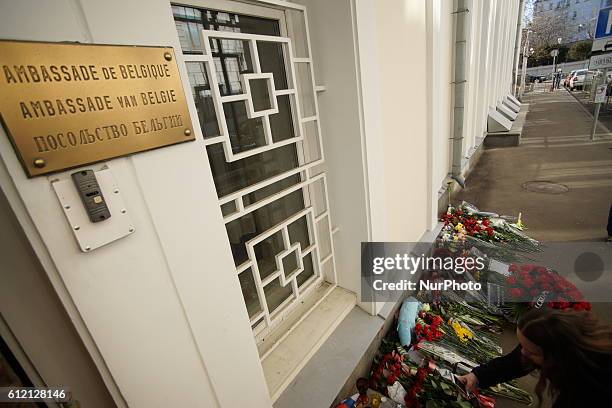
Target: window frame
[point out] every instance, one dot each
(279, 11)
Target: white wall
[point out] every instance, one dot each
(161, 311)
(392, 48)
(440, 29)
(489, 56)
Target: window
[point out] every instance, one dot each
(251, 80)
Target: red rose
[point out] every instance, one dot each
(528, 283)
(563, 305)
(534, 292)
(581, 306)
(543, 279)
(515, 292)
(513, 268)
(511, 280)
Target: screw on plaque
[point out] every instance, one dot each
(187, 132)
(167, 56)
(39, 163)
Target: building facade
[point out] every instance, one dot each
(577, 18)
(318, 125)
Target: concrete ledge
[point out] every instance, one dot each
(329, 370)
(513, 136)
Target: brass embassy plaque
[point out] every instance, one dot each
(65, 105)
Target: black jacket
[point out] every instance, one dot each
(501, 369)
(593, 393)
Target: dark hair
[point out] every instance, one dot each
(575, 345)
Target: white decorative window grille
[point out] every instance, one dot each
(253, 85)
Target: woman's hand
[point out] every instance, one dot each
(469, 380)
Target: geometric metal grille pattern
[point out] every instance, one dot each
(278, 275)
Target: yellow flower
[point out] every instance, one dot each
(519, 223)
(463, 333)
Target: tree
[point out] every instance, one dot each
(546, 29)
(580, 50)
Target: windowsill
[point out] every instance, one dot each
(346, 353)
(283, 361)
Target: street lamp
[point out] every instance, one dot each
(524, 70)
(554, 54)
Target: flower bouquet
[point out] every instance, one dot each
(532, 285)
(492, 234)
(414, 384)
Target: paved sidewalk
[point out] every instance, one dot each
(605, 113)
(555, 147)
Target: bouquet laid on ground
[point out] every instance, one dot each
(454, 331)
(495, 235)
(531, 285)
(427, 325)
(448, 337)
(413, 384)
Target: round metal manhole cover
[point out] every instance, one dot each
(545, 187)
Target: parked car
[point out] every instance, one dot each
(536, 78)
(577, 80)
(566, 81)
